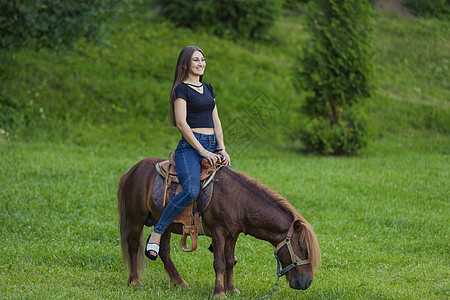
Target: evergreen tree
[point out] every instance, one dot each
(336, 69)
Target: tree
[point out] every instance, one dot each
(336, 69)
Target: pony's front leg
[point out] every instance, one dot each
(174, 276)
(219, 265)
(230, 244)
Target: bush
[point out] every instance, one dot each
(234, 18)
(54, 23)
(294, 4)
(430, 8)
(346, 136)
(14, 113)
(336, 69)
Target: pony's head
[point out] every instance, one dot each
(303, 250)
(299, 245)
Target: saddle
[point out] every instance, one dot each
(190, 216)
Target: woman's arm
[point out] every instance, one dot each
(180, 111)
(219, 137)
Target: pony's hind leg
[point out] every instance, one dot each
(174, 276)
(136, 258)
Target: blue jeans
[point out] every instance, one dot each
(188, 165)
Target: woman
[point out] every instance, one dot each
(193, 110)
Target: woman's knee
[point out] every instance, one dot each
(192, 193)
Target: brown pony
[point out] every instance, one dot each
(239, 204)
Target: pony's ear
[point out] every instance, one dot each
(297, 224)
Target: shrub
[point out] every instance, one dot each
(294, 4)
(54, 23)
(430, 8)
(346, 136)
(14, 113)
(336, 69)
(234, 18)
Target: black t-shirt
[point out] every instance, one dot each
(199, 106)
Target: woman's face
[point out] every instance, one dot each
(198, 64)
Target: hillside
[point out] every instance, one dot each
(117, 92)
(397, 7)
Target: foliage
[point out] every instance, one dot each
(430, 8)
(54, 23)
(345, 137)
(336, 68)
(15, 114)
(235, 18)
(294, 4)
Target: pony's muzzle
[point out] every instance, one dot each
(300, 283)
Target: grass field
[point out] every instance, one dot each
(92, 112)
(381, 220)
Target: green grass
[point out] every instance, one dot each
(94, 111)
(381, 222)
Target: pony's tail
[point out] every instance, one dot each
(124, 229)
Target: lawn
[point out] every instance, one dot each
(381, 220)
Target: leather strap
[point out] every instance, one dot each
(166, 187)
(295, 260)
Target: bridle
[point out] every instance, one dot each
(295, 260)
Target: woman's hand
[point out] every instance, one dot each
(211, 157)
(225, 158)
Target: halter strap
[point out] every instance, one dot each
(295, 260)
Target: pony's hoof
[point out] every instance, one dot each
(235, 292)
(220, 295)
(181, 283)
(135, 283)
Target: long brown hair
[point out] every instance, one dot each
(181, 73)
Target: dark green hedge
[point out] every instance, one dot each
(430, 8)
(234, 18)
(54, 23)
(294, 4)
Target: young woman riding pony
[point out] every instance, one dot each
(193, 110)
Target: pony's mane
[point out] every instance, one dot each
(307, 235)
(264, 191)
